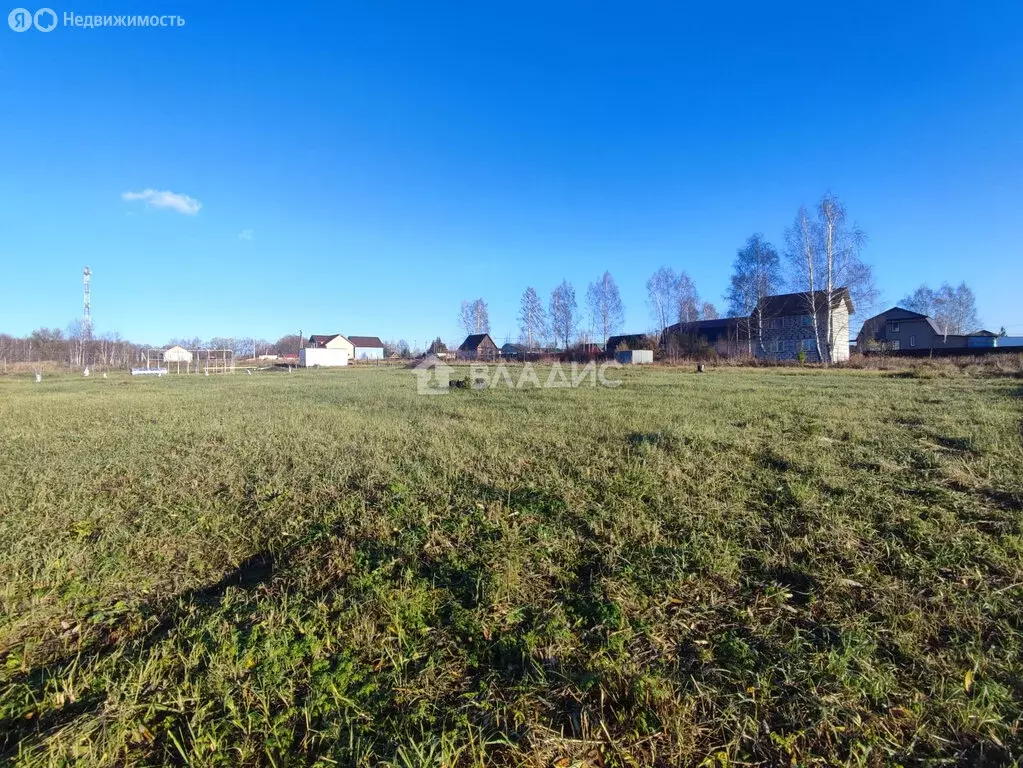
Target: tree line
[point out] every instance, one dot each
(821, 258)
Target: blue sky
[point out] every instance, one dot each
(387, 160)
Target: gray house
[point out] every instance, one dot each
(901, 330)
(781, 327)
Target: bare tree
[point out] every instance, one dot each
(687, 300)
(756, 274)
(708, 311)
(562, 313)
(662, 289)
(474, 317)
(825, 257)
(605, 303)
(532, 321)
(954, 310)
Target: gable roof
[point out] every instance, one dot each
(629, 339)
(319, 339)
(366, 341)
(711, 330)
(473, 341)
(785, 304)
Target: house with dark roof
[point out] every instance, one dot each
(627, 341)
(478, 346)
(367, 347)
(902, 330)
(781, 327)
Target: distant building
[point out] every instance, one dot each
(367, 347)
(780, 328)
(326, 351)
(629, 341)
(902, 330)
(478, 346)
(512, 351)
(177, 354)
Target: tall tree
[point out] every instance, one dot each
(532, 321)
(474, 317)
(954, 310)
(825, 256)
(563, 313)
(756, 274)
(662, 289)
(605, 303)
(708, 311)
(687, 300)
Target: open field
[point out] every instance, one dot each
(766, 566)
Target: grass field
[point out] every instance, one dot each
(750, 566)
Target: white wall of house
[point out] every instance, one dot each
(340, 342)
(324, 357)
(369, 353)
(840, 333)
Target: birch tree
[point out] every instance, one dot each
(532, 321)
(474, 317)
(824, 254)
(687, 300)
(563, 313)
(756, 274)
(605, 303)
(662, 288)
(954, 310)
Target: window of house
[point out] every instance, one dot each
(807, 321)
(912, 341)
(893, 326)
(806, 344)
(895, 345)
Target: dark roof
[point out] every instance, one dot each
(982, 332)
(473, 341)
(318, 340)
(629, 339)
(512, 349)
(366, 341)
(785, 304)
(711, 330)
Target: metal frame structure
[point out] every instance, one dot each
(204, 361)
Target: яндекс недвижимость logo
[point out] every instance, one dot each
(22, 20)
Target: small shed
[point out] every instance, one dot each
(177, 354)
(635, 356)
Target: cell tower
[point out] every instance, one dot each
(87, 301)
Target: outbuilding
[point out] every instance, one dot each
(635, 356)
(326, 351)
(177, 354)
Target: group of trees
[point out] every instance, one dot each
(954, 310)
(559, 323)
(72, 346)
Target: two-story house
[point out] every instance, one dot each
(780, 328)
(902, 330)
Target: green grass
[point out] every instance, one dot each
(771, 566)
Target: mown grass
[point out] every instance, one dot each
(773, 566)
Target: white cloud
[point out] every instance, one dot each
(245, 234)
(157, 199)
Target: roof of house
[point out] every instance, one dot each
(784, 304)
(176, 346)
(711, 330)
(982, 332)
(366, 341)
(318, 340)
(473, 341)
(629, 339)
(511, 349)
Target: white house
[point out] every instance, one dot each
(367, 347)
(327, 351)
(177, 354)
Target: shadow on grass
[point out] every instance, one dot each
(249, 575)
